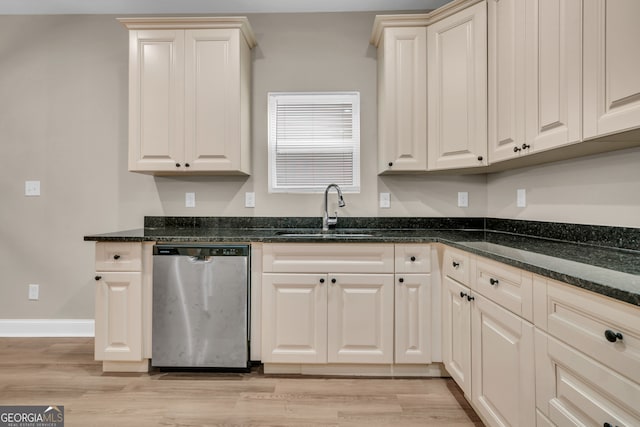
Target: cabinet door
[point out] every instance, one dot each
(294, 318)
(402, 100)
(506, 35)
(503, 365)
(457, 87)
(212, 99)
(611, 66)
(118, 327)
(413, 318)
(156, 100)
(456, 333)
(553, 73)
(360, 318)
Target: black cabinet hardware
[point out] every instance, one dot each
(116, 257)
(480, 158)
(401, 280)
(333, 280)
(455, 264)
(516, 149)
(525, 146)
(98, 278)
(493, 281)
(177, 165)
(470, 298)
(390, 164)
(321, 280)
(612, 336)
(413, 259)
(462, 294)
(186, 165)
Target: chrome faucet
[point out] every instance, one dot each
(331, 221)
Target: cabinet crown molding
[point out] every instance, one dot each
(416, 19)
(167, 23)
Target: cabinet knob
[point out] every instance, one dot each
(321, 280)
(333, 280)
(177, 165)
(493, 281)
(390, 164)
(612, 336)
(455, 264)
(116, 257)
(516, 149)
(480, 158)
(98, 278)
(186, 165)
(525, 146)
(401, 280)
(470, 298)
(413, 259)
(462, 294)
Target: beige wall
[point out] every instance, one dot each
(63, 121)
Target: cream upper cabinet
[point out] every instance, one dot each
(189, 95)
(457, 88)
(535, 76)
(402, 96)
(611, 66)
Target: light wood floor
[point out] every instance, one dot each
(61, 371)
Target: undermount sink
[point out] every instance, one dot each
(332, 234)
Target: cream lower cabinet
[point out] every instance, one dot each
(189, 95)
(123, 306)
(327, 303)
(487, 349)
(457, 88)
(587, 357)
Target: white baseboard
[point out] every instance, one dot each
(47, 328)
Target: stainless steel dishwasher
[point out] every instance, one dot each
(200, 306)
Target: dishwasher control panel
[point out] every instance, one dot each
(201, 250)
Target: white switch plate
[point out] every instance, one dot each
(463, 199)
(521, 198)
(34, 291)
(189, 200)
(32, 188)
(385, 200)
(250, 200)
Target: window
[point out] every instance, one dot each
(314, 140)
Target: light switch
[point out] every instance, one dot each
(521, 198)
(34, 291)
(32, 188)
(463, 199)
(250, 199)
(189, 200)
(385, 200)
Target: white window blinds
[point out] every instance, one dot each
(314, 140)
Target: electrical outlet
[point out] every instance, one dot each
(189, 200)
(250, 200)
(385, 200)
(463, 199)
(32, 188)
(34, 291)
(521, 198)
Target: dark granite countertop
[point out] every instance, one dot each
(610, 271)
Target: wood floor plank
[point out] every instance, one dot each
(43, 371)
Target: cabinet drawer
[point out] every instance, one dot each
(327, 258)
(413, 258)
(118, 256)
(456, 265)
(581, 391)
(588, 321)
(509, 287)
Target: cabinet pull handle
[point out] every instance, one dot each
(455, 264)
(462, 294)
(98, 278)
(516, 149)
(470, 298)
(525, 146)
(401, 280)
(321, 280)
(177, 165)
(116, 257)
(612, 336)
(413, 259)
(186, 165)
(493, 281)
(333, 280)
(608, 425)
(480, 158)
(390, 164)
